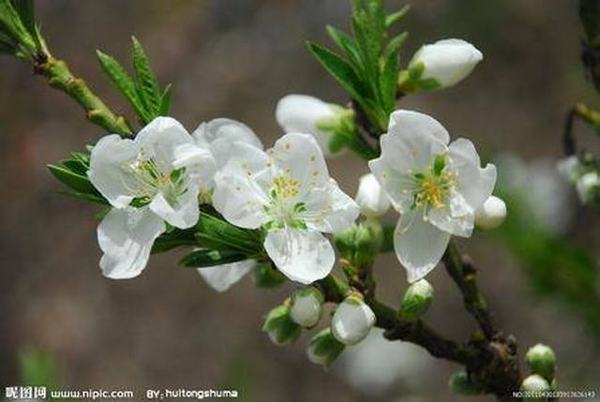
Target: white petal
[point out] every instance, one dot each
(159, 140)
(298, 156)
(397, 186)
(240, 187)
(352, 321)
(301, 114)
(329, 209)
(199, 163)
(303, 256)
(126, 237)
(222, 277)
(448, 61)
(221, 134)
(491, 214)
(474, 183)
(106, 173)
(419, 245)
(456, 218)
(183, 213)
(371, 198)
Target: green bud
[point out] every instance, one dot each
(265, 276)
(533, 388)
(307, 306)
(324, 348)
(541, 360)
(416, 301)
(280, 327)
(461, 384)
(360, 243)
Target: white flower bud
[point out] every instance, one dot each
(569, 168)
(491, 214)
(416, 301)
(588, 186)
(280, 327)
(307, 307)
(446, 61)
(324, 348)
(370, 197)
(352, 321)
(532, 385)
(541, 360)
(302, 114)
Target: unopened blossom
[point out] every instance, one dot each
(352, 321)
(151, 180)
(588, 186)
(289, 193)
(446, 61)
(491, 214)
(306, 114)
(307, 307)
(570, 168)
(371, 198)
(436, 187)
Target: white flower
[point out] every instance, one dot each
(491, 214)
(588, 186)
(435, 186)
(222, 277)
(447, 61)
(302, 114)
(370, 197)
(352, 321)
(160, 172)
(287, 191)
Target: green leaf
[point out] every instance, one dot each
(85, 197)
(397, 16)
(347, 45)
(71, 179)
(147, 87)
(165, 101)
(216, 233)
(119, 77)
(26, 12)
(209, 258)
(174, 239)
(339, 69)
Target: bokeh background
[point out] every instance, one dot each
(236, 58)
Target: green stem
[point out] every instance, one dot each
(60, 77)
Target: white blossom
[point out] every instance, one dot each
(436, 187)
(352, 321)
(588, 185)
(371, 198)
(491, 214)
(303, 114)
(287, 191)
(306, 308)
(152, 179)
(447, 61)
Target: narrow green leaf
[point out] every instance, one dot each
(215, 232)
(75, 166)
(174, 239)
(147, 83)
(85, 197)
(347, 45)
(26, 12)
(397, 16)
(165, 101)
(71, 179)
(124, 83)
(388, 80)
(209, 258)
(339, 69)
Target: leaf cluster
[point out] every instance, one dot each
(19, 34)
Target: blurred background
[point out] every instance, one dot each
(236, 58)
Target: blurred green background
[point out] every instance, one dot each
(236, 58)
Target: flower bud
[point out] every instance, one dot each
(462, 384)
(370, 197)
(324, 348)
(446, 61)
(491, 214)
(570, 168)
(280, 327)
(532, 385)
(307, 307)
(588, 187)
(303, 114)
(352, 321)
(541, 360)
(416, 301)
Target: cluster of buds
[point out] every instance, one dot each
(584, 173)
(542, 364)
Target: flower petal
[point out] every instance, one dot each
(199, 163)
(301, 114)
(182, 213)
(457, 218)
(419, 245)
(298, 156)
(370, 196)
(329, 209)
(126, 237)
(159, 140)
(474, 183)
(106, 172)
(240, 187)
(222, 277)
(221, 134)
(303, 256)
